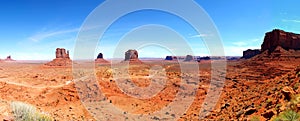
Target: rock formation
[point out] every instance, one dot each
(61, 53)
(62, 58)
(8, 58)
(169, 58)
(100, 56)
(250, 53)
(286, 40)
(132, 56)
(100, 59)
(278, 45)
(189, 58)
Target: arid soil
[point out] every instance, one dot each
(252, 88)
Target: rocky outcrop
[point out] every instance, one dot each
(100, 56)
(189, 58)
(100, 59)
(62, 53)
(279, 45)
(169, 58)
(8, 58)
(286, 40)
(132, 56)
(250, 53)
(62, 58)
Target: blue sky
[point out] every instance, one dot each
(32, 29)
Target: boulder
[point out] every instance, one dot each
(288, 92)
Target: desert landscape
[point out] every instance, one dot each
(149, 60)
(259, 86)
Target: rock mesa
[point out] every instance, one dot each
(286, 40)
(250, 53)
(131, 56)
(100, 59)
(8, 58)
(62, 58)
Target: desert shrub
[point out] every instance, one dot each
(26, 112)
(288, 115)
(294, 102)
(255, 118)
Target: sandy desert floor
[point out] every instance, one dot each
(55, 91)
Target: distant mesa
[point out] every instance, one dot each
(132, 56)
(250, 53)
(100, 59)
(174, 58)
(100, 56)
(8, 58)
(189, 58)
(186, 58)
(62, 58)
(169, 58)
(204, 58)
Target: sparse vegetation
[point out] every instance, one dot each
(255, 118)
(26, 112)
(288, 115)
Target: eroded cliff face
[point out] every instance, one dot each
(250, 53)
(132, 56)
(62, 53)
(62, 58)
(100, 59)
(286, 40)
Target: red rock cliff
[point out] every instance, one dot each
(286, 40)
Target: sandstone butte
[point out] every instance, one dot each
(132, 57)
(250, 53)
(62, 58)
(286, 40)
(8, 58)
(100, 59)
(277, 43)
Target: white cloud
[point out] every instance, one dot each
(200, 35)
(241, 43)
(246, 42)
(291, 20)
(255, 40)
(43, 35)
(237, 50)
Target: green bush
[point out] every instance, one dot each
(255, 118)
(26, 112)
(288, 115)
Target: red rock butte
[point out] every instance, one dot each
(62, 58)
(250, 53)
(8, 58)
(277, 44)
(286, 40)
(100, 59)
(131, 56)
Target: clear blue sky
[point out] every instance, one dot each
(32, 29)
